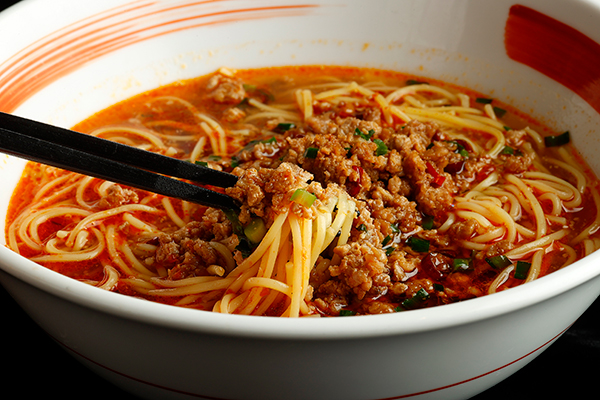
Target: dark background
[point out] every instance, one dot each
(36, 367)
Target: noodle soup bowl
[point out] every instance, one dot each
(89, 56)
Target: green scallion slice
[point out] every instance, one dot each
(498, 262)
(303, 197)
(499, 111)
(427, 223)
(366, 136)
(285, 126)
(438, 288)
(203, 163)
(508, 150)
(386, 241)
(311, 152)
(270, 140)
(346, 313)
(483, 100)
(382, 149)
(558, 140)
(255, 230)
(416, 300)
(362, 228)
(417, 244)
(522, 269)
(461, 264)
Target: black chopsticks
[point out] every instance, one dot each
(115, 162)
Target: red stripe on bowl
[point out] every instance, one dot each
(556, 50)
(71, 47)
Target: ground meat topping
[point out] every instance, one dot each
(225, 89)
(117, 196)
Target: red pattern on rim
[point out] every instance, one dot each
(71, 47)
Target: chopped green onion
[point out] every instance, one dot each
(389, 251)
(348, 151)
(234, 162)
(382, 149)
(394, 228)
(499, 262)
(507, 128)
(358, 132)
(499, 112)
(248, 87)
(415, 82)
(427, 223)
(203, 163)
(438, 288)
(347, 313)
(270, 140)
(245, 246)
(255, 230)
(417, 244)
(311, 152)
(558, 140)
(386, 241)
(507, 150)
(285, 126)
(483, 100)
(460, 149)
(303, 197)
(461, 264)
(362, 228)
(416, 300)
(522, 269)
(213, 157)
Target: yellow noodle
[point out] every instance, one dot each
(593, 227)
(399, 93)
(536, 244)
(536, 266)
(149, 136)
(182, 282)
(111, 278)
(500, 279)
(537, 208)
(171, 212)
(193, 289)
(138, 223)
(577, 174)
(267, 283)
(70, 256)
(106, 214)
(133, 261)
(462, 122)
(225, 254)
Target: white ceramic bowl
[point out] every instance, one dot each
(61, 66)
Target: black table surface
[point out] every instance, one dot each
(38, 367)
